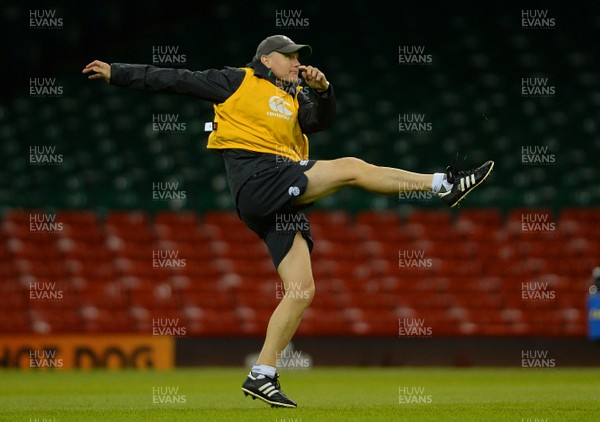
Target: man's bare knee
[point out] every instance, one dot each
(301, 293)
(310, 292)
(328, 176)
(353, 168)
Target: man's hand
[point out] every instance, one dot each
(314, 78)
(102, 70)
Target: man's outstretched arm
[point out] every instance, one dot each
(212, 85)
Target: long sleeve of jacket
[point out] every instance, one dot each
(217, 85)
(318, 115)
(212, 85)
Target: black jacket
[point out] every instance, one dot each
(217, 86)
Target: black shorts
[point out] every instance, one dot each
(264, 204)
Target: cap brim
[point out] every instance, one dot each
(302, 49)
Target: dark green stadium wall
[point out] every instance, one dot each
(469, 95)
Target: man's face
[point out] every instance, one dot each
(283, 66)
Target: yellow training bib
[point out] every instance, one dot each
(260, 117)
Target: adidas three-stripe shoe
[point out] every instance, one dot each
(266, 389)
(464, 182)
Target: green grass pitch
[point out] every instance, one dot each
(323, 394)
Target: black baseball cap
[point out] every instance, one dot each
(281, 44)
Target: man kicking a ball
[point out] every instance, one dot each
(262, 117)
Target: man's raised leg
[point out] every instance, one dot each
(328, 176)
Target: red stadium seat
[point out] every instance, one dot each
(18, 323)
(438, 219)
(228, 286)
(213, 323)
(209, 299)
(104, 295)
(97, 320)
(48, 321)
(332, 219)
(378, 218)
(481, 217)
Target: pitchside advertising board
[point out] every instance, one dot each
(87, 352)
